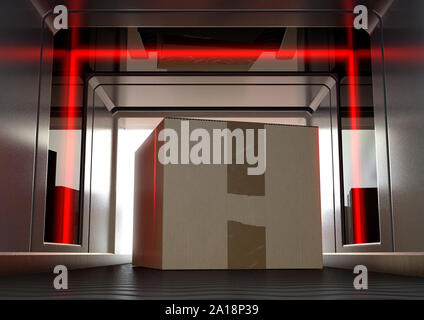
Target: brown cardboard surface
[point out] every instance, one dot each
(238, 181)
(293, 206)
(148, 191)
(195, 224)
(196, 208)
(246, 246)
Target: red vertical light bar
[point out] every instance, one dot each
(355, 145)
(60, 208)
(358, 234)
(68, 203)
(69, 209)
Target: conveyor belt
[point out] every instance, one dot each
(126, 282)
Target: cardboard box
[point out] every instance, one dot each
(216, 216)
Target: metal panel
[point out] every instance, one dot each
(404, 68)
(265, 13)
(20, 35)
(41, 156)
(329, 181)
(195, 95)
(103, 179)
(382, 161)
(286, 90)
(383, 178)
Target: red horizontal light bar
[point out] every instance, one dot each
(213, 53)
(401, 54)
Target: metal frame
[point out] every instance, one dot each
(386, 243)
(39, 175)
(325, 80)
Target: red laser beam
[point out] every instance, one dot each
(212, 53)
(68, 210)
(412, 54)
(357, 213)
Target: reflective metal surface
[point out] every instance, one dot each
(323, 118)
(260, 90)
(102, 179)
(312, 13)
(20, 32)
(404, 69)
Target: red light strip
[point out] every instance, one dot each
(401, 54)
(357, 214)
(68, 209)
(212, 53)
